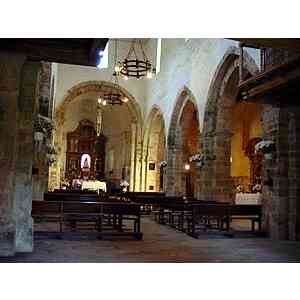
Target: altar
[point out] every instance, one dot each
(93, 185)
(248, 198)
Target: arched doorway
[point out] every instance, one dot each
(154, 140)
(121, 126)
(183, 176)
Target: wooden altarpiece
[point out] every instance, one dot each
(84, 140)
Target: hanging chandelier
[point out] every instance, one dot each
(113, 95)
(133, 66)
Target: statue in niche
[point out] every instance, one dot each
(86, 164)
(255, 161)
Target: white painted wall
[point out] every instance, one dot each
(184, 62)
(70, 75)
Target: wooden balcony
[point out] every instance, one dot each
(276, 84)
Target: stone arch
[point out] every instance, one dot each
(216, 124)
(154, 144)
(98, 87)
(175, 184)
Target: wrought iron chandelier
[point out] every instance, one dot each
(133, 66)
(113, 95)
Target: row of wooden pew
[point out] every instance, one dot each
(191, 215)
(106, 218)
(186, 214)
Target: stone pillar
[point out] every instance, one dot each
(223, 183)
(10, 73)
(175, 183)
(40, 180)
(275, 196)
(294, 173)
(27, 106)
(133, 156)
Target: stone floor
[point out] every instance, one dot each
(161, 244)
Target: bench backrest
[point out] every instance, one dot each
(81, 207)
(121, 208)
(219, 210)
(245, 209)
(44, 207)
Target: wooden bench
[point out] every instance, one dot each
(80, 197)
(213, 216)
(97, 214)
(253, 213)
(48, 211)
(147, 200)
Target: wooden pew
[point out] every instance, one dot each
(205, 216)
(80, 197)
(96, 213)
(147, 200)
(253, 213)
(48, 211)
(114, 214)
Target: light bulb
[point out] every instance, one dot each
(104, 102)
(125, 77)
(125, 99)
(99, 100)
(187, 167)
(149, 74)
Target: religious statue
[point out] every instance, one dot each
(86, 164)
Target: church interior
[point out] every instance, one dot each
(169, 146)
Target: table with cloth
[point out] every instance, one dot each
(248, 198)
(93, 185)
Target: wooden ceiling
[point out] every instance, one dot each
(271, 43)
(69, 51)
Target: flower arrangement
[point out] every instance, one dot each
(124, 185)
(198, 158)
(163, 164)
(265, 146)
(239, 188)
(257, 188)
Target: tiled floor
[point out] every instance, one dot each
(161, 244)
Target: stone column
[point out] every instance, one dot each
(294, 173)
(275, 196)
(27, 106)
(10, 73)
(40, 180)
(174, 172)
(133, 156)
(223, 183)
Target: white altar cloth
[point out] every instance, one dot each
(248, 198)
(93, 185)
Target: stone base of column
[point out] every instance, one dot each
(24, 237)
(7, 238)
